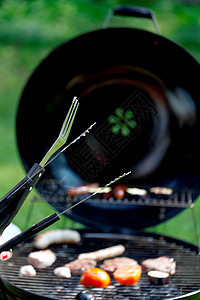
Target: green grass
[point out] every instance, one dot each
(29, 30)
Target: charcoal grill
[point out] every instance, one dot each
(185, 283)
(134, 78)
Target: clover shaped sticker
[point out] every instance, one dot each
(122, 121)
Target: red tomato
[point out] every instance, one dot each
(119, 191)
(95, 277)
(128, 275)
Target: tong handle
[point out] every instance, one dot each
(30, 232)
(13, 200)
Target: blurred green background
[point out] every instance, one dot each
(30, 30)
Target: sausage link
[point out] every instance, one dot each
(103, 253)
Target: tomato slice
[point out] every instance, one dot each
(128, 275)
(95, 277)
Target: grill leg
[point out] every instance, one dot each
(195, 226)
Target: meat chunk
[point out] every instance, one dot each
(42, 259)
(104, 253)
(62, 272)
(81, 190)
(78, 266)
(27, 271)
(56, 236)
(110, 265)
(162, 263)
(161, 192)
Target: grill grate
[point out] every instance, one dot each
(178, 198)
(186, 280)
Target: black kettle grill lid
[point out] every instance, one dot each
(147, 112)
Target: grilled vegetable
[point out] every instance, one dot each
(158, 277)
(85, 295)
(119, 191)
(128, 275)
(95, 277)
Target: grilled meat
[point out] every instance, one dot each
(56, 236)
(62, 272)
(78, 266)
(27, 271)
(81, 190)
(104, 253)
(42, 259)
(110, 265)
(162, 263)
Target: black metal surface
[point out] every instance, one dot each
(129, 67)
(176, 198)
(45, 285)
(142, 63)
(126, 74)
(101, 212)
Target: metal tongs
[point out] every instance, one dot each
(33, 230)
(13, 200)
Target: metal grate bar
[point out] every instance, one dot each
(186, 279)
(178, 199)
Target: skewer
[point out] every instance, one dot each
(51, 219)
(42, 169)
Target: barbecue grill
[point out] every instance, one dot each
(135, 84)
(46, 286)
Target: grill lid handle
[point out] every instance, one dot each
(132, 11)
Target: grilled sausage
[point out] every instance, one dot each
(56, 236)
(103, 253)
(81, 190)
